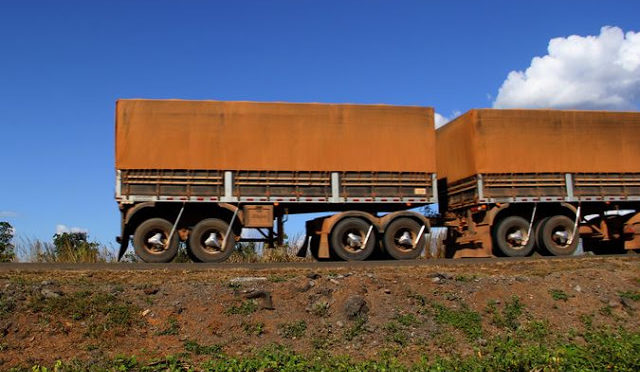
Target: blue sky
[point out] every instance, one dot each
(64, 63)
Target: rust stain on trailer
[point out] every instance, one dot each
(177, 134)
(488, 141)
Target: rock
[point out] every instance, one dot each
(577, 288)
(387, 291)
(348, 274)
(151, 291)
(522, 279)
(370, 275)
(482, 342)
(334, 281)
(47, 282)
(628, 303)
(307, 286)
(614, 303)
(48, 293)
(248, 279)
(145, 312)
(177, 307)
(313, 276)
(436, 280)
(355, 306)
(267, 301)
(340, 323)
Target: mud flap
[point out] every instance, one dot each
(124, 244)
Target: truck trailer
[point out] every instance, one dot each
(199, 172)
(515, 181)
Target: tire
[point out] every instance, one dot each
(396, 230)
(550, 239)
(509, 235)
(201, 232)
(154, 253)
(537, 231)
(344, 247)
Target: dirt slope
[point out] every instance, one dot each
(364, 312)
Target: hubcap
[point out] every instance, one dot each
(156, 241)
(354, 241)
(516, 238)
(405, 239)
(561, 236)
(212, 241)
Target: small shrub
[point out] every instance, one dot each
(357, 328)
(245, 308)
(396, 333)
(293, 330)
(407, 320)
(253, 329)
(172, 327)
(320, 309)
(195, 348)
(632, 295)
(464, 319)
(559, 295)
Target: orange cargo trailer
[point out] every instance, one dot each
(512, 181)
(200, 171)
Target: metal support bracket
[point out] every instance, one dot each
(575, 227)
(533, 216)
(366, 238)
(226, 234)
(415, 243)
(173, 228)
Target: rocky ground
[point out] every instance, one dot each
(408, 313)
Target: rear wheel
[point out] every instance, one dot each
(511, 237)
(150, 241)
(348, 239)
(207, 241)
(399, 238)
(555, 234)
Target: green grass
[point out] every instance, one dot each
(7, 305)
(356, 329)
(293, 329)
(245, 308)
(602, 350)
(463, 319)
(171, 328)
(407, 320)
(632, 295)
(508, 317)
(253, 329)
(396, 333)
(320, 309)
(100, 311)
(197, 349)
(558, 295)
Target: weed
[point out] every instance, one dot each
(195, 348)
(101, 311)
(7, 305)
(632, 295)
(356, 329)
(396, 333)
(276, 278)
(253, 329)
(320, 309)
(245, 308)
(606, 310)
(293, 330)
(464, 319)
(508, 318)
(172, 327)
(559, 295)
(407, 320)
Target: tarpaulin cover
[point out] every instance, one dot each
(538, 141)
(216, 135)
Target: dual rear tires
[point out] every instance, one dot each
(552, 235)
(206, 242)
(355, 239)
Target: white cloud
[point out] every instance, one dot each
(579, 72)
(8, 214)
(61, 229)
(442, 120)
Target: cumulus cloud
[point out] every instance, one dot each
(442, 120)
(579, 72)
(61, 229)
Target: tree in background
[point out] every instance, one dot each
(74, 247)
(7, 253)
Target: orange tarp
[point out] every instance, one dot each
(215, 135)
(538, 141)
